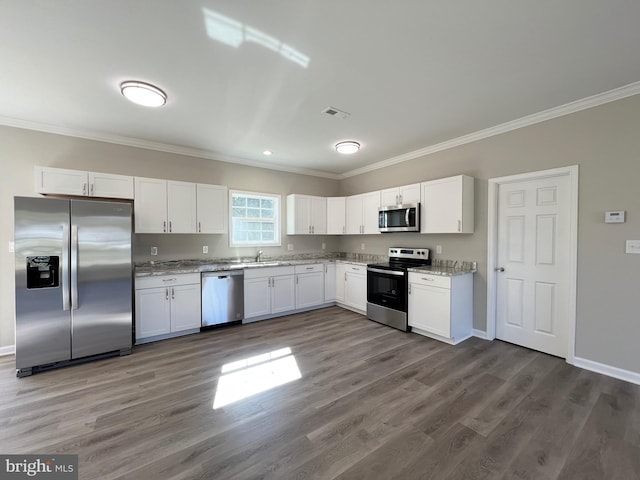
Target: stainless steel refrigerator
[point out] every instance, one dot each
(73, 281)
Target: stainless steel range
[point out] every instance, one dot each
(387, 286)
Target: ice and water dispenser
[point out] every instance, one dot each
(42, 272)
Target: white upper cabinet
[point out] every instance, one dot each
(447, 205)
(306, 215)
(212, 208)
(150, 205)
(336, 219)
(400, 195)
(77, 182)
(362, 213)
(181, 207)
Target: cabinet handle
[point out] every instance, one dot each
(427, 279)
(84, 188)
(173, 293)
(459, 225)
(199, 227)
(344, 228)
(313, 229)
(92, 189)
(166, 292)
(164, 226)
(345, 276)
(499, 269)
(168, 279)
(309, 268)
(297, 277)
(170, 226)
(409, 292)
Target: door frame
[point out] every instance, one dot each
(492, 247)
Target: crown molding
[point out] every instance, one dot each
(562, 110)
(157, 146)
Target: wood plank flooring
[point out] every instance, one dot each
(372, 403)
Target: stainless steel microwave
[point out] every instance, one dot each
(399, 218)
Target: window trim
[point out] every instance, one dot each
(277, 220)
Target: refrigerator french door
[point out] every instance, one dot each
(73, 280)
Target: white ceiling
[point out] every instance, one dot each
(245, 76)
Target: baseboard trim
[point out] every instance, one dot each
(480, 334)
(8, 350)
(615, 372)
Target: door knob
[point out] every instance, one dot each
(499, 269)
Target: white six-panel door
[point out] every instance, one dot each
(534, 248)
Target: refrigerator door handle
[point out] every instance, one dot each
(74, 267)
(64, 281)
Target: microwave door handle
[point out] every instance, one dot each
(406, 217)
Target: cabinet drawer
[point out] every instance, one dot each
(355, 268)
(317, 267)
(262, 272)
(167, 280)
(431, 280)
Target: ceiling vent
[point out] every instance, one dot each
(335, 112)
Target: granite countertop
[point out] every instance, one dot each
(148, 269)
(447, 268)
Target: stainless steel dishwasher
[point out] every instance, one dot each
(222, 297)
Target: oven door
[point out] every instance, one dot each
(387, 288)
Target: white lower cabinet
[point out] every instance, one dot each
(166, 306)
(351, 286)
(441, 307)
(329, 282)
(268, 291)
(309, 285)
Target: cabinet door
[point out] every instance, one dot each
(336, 210)
(283, 296)
(298, 215)
(447, 205)
(60, 180)
(185, 307)
(110, 186)
(330, 282)
(355, 294)
(410, 193)
(257, 297)
(370, 205)
(150, 205)
(430, 309)
(390, 196)
(354, 214)
(341, 279)
(153, 312)
(181, 207)
(318, 215)
(309, 289)
(211, 207)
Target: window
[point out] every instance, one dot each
(255, 219)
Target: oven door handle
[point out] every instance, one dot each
(386, 272)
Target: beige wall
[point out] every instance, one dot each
(21, 150)
(605, 143)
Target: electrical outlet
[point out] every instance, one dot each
(12, 247)
(362, 246)
(205, 249)
(438, 248)
(290, 246)
(633, 246)
(154, 250)
(324, 246)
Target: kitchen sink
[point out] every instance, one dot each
(255, 264)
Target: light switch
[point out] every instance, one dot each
(205, 249)
(633, 246)
(12, 247)
(614, 216)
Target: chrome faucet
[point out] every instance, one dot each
(259, 256)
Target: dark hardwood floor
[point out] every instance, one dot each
(372, 403)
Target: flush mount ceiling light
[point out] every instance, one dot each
(267, 152)
(143, 93)
(347, 147)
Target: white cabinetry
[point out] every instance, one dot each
(400, 195)
(447, 205)
(167, 306)
(211, 205)
(76, 182)
(181, 207)
(362, 213)
(441, 307)
(351, 286)
(336, 219)
(150, 205)
(329, 282)
(268, 291)
(309, 285)
(306, 215)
